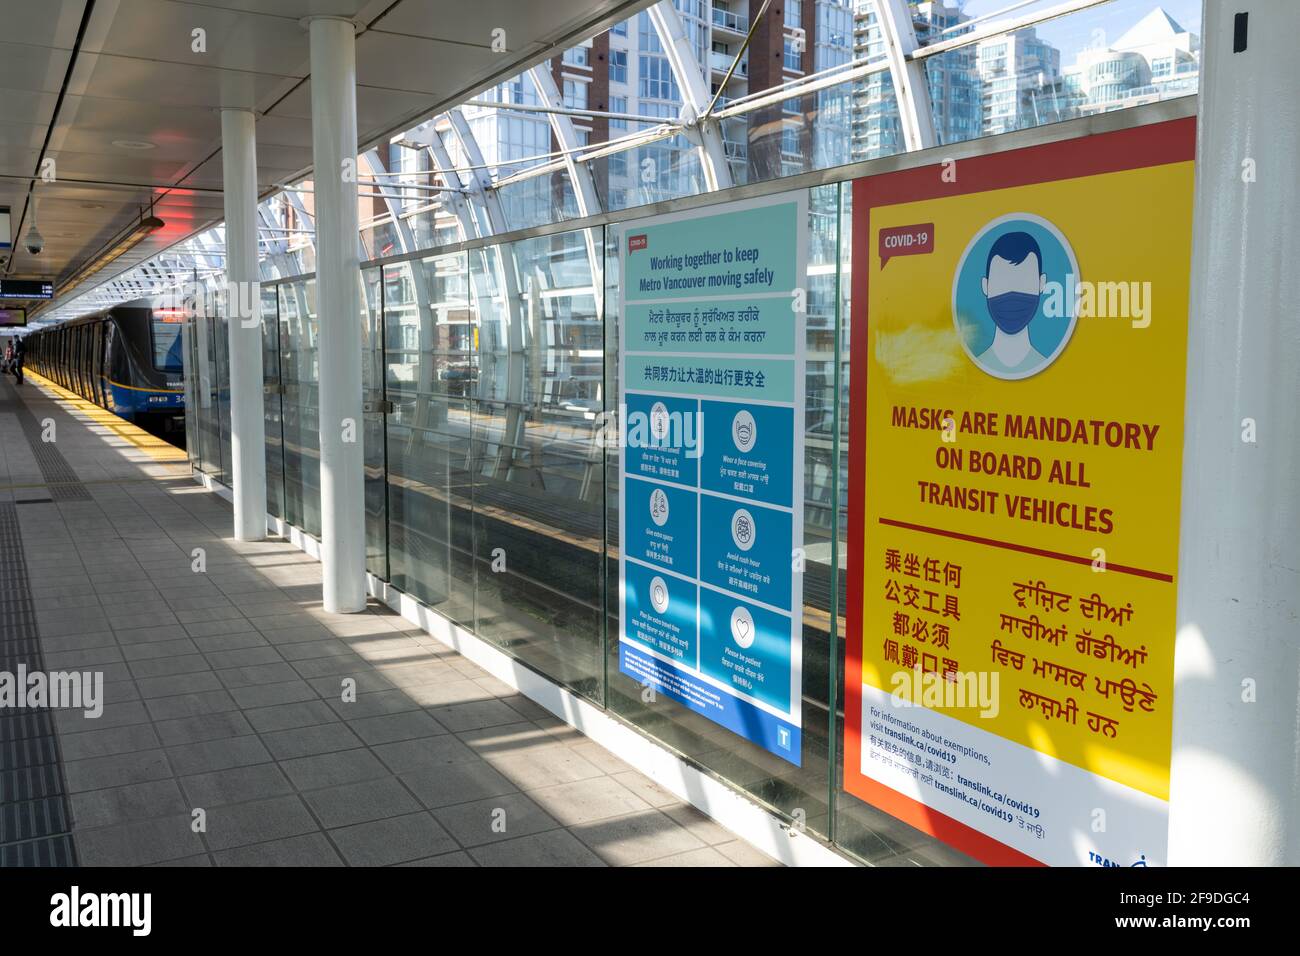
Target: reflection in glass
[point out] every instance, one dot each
(535, 469)
(428, 363)
(372, 397)
(271, 401)
(299, 329)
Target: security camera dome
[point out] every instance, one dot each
(34, 242)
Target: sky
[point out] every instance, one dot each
(1074, 32)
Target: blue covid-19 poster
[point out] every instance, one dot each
(711, 373)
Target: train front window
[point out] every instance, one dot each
(166, 330)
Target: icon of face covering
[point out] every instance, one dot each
(1012, 311)
(743, 431)
(1013, 281)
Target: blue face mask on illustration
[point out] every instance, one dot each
(1012, 311)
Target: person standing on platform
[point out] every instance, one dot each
(17, 365)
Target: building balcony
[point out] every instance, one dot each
(721, 63)
(729, 22)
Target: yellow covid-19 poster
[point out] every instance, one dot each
(1018, 376)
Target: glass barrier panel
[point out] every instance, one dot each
(535, 472)
(271, 398)
(189, 378)
(300, 423)
(428, 366)
(221, 375)
(372, 396)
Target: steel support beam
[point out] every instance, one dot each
(911, 88)
(580, 175)
(689, 74)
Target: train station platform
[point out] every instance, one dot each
(224, 737)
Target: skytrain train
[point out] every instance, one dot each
(126, 359)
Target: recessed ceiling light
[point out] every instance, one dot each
(92, 205)
(133, 144)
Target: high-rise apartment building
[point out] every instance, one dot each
(627, 71)
(1155, 59)
(1018, 73)
(951, 77)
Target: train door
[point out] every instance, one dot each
(78, 348)
(82, 385)
(110, 336)
(70, 359)
(88, 360)
(87, 350)
(74, 363)
(96, 366)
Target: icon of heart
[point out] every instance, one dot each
(742, 627)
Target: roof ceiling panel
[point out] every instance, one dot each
(473, 23)
(147, 82)
(130, 167)
(208, 175)
(172, 146)
(137, 78)
(278, 129)
(17, 160)
(49, 23)
(254, 42)
(414, 64)
(295, 9)
(88, 120)
(27, 106)
(34, 68)
(29, 135)
(378, 110)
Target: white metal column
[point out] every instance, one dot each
(689, 74)
(911, 88)
(483, 189)
(338, 287)
(585, 194)
(244, 323)
(1235, 785)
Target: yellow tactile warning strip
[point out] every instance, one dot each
(154, 447)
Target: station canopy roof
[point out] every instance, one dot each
(110, 109)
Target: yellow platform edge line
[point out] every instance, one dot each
(151, 445)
